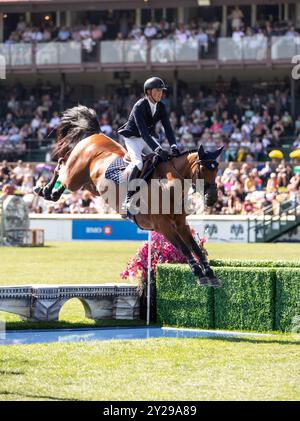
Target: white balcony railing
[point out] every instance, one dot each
(17, 54)
(246, 48)
(123, 52)
(284, 47)
(255, 48)
(58, 53)
(167, 50)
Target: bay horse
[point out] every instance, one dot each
(86, 154)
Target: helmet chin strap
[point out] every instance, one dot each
(150, 95)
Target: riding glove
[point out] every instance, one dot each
(175, 150)
(164, 155)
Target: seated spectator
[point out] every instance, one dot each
(96, 33)
(297, 126)
(202, 39)
(296, 143)
(277, 130)
(47, 35)
(237, 35)
(63, 34)
(181, 33)
(272, 184)
(27, 184)
(150, 30)
(284, 173)
(53, 123)
(36, 35)
(26, 35)
(247, 207)
(19, 171)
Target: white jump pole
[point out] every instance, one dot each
(2, 228)
(149, 278)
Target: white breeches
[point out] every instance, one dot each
(135, 147)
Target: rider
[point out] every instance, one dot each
(139, 131)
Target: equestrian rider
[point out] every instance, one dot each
(139, 131)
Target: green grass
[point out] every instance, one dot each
(273, 251)
(66, 263)
(101, 262)
(154, 369)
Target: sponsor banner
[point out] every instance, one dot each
(106, 230)
(292, 236)
(222, 231)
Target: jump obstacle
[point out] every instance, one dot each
(44, 302)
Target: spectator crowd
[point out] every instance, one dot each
(247, 120)
(242, 189)
(123, 27)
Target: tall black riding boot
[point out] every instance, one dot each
(133, 175)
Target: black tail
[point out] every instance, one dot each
(76, 124)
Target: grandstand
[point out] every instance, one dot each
(228, 69)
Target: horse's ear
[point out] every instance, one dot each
(217, 153)
(201, 152)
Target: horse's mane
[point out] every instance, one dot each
(75, 124)
(187, 152)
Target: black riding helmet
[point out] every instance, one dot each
(154, 82)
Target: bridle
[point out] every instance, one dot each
(210, 189)
(209, 164)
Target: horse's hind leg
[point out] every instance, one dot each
(56, 195)
(46, 192)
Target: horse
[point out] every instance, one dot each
(84, 154)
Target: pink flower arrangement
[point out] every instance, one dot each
(162, 251)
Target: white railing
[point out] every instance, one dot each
(17, 54)
(58, 53)
(246, 48)
(284, 47)
(123, 51)
(255, 48)
(168, 50)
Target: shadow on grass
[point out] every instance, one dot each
(11, 373)
(256, 341)
(24, 325)
(45, 246)
(53, 398)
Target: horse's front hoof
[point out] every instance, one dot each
(203, 282)
(214, 282)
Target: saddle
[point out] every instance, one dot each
(116, 170)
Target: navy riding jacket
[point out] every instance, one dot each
(141, 123)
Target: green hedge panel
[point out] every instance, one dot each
(250, 298)
(253, 263)
(246, 299)
(180, 301)
(287, 297)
